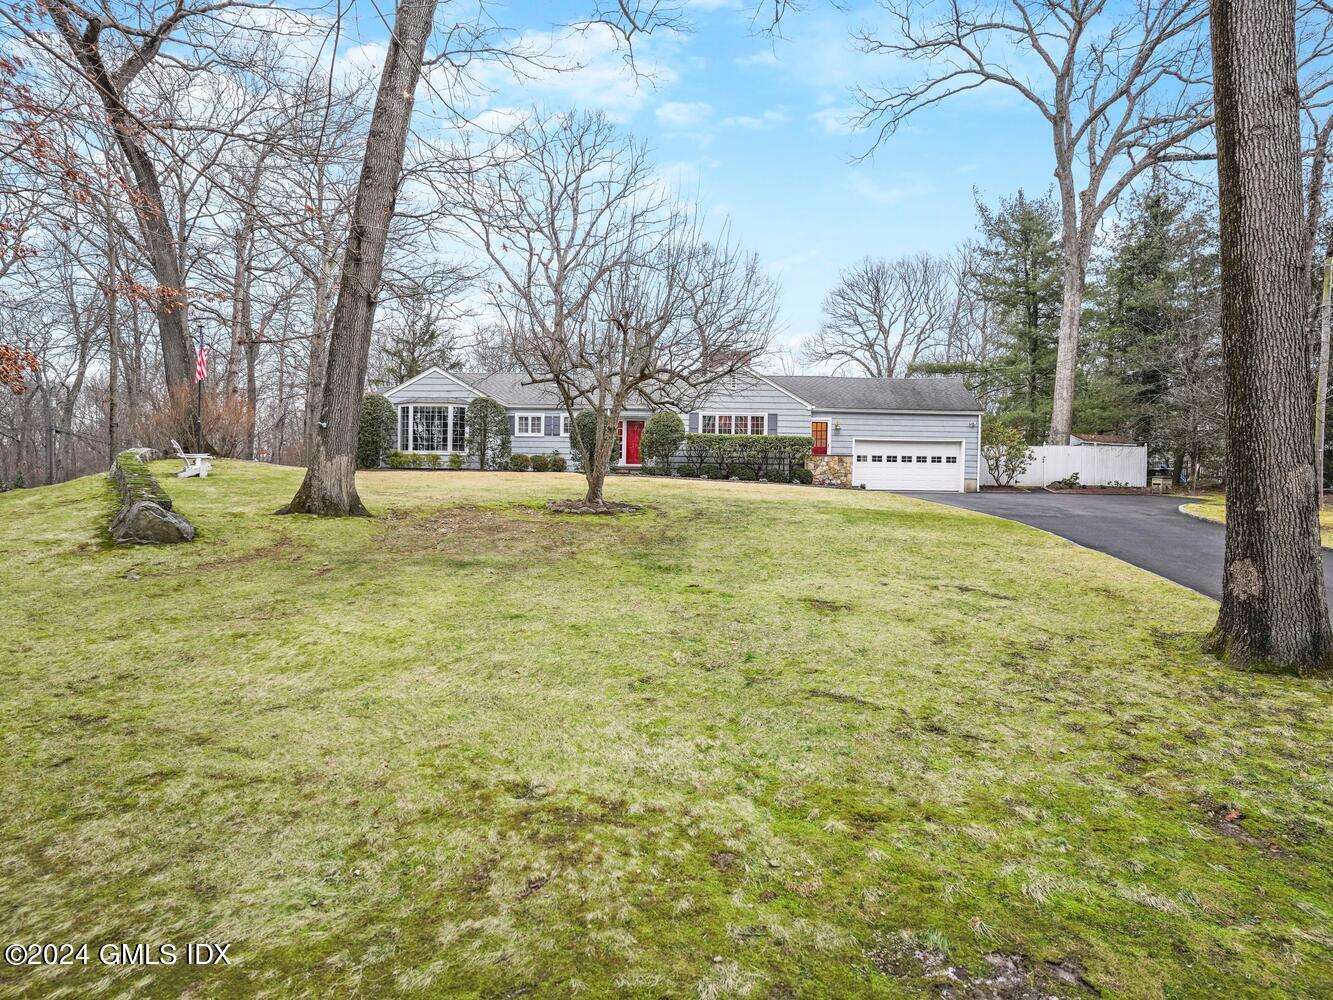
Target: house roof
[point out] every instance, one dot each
(514, 390)
(819, 392)
(845, 392)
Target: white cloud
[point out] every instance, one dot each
(878, 194)
(682, 114)
(764, 57)
(586, 69)
(835, 121)
(770, 118)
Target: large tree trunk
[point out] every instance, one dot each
(330, 481)
(1273, 603)
(149, 209)
(318, 360)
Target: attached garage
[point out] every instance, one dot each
(909, 466)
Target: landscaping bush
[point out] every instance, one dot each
(558, 463)
(374, 436)
(800, 474)
(541, 463)
(745, 473)
(519, 463)
(413, 460)
(662, 435)
(455, 461)
(1070, 482)
(732, 452)
(1005, 452)
(688, 471)
(488, 439)
(776, 475)
(710, 471)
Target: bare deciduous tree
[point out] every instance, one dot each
(606, 290)
(1273, 604)
(1121, 86)
(882, 316)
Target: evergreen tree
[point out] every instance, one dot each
(1019, 271)
(1151, 366)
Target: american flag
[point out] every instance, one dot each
(201, 362)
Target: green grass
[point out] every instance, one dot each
(1213, 506)
(756, 740)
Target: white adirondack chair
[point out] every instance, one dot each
(196, 462)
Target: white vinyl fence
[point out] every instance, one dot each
(1096, 465)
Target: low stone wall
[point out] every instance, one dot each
(143, 510)
(831, 470)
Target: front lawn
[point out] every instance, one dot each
(1213, 507)
(756, 740)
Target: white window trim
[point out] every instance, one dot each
(733, 414)
(450, 445)
(541, 425)
(564, 425)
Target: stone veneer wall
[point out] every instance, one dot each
(831, 470)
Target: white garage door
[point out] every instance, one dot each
(908, 465)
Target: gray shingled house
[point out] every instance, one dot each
(911, 434)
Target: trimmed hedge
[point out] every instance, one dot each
(415, 460)
(376, 432)
(730, 453)
(519, 463)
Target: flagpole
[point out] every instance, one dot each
(199, 396)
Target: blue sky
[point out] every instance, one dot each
(754, 129)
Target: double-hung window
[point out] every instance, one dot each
(564, 425)
(528, 425)
(734, 423)
(423, 427)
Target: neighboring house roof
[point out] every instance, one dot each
(1102, 438)
(845, 392)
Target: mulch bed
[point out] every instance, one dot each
(580, 507)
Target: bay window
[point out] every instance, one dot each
(432, 428)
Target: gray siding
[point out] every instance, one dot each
(754, 396)
(904, 427)
(432, 388)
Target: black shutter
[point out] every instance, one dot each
(513, 425)
(694, 423)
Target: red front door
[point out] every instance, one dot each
(633, 433)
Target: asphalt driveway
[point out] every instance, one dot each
(1146, 531)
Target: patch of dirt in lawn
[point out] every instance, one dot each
(466, 527)
(827, 606)
(1227, 819)
(580, 507)
(1006, 976)
(840, 698)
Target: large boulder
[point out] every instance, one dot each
(143, 512)
(143, 522)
